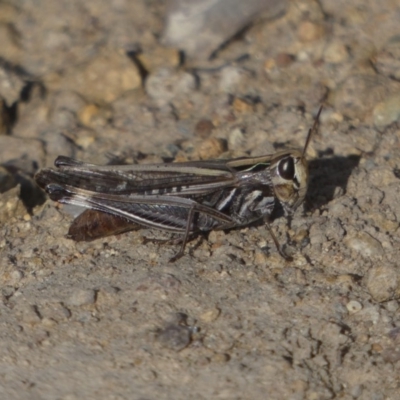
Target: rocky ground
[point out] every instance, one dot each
(112, 318)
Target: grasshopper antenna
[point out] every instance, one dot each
(311, 131)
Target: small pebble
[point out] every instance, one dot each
(220, 358)
(383, 282)
(242, 106)
(364, 244)
(175, 337)
(159, 57)
(394, 334)
(392, 306)
(353, 306)
(211, 148)
(11, 206)
(336, 53)
(107, 296)
(333, 230)
(269, 65)
(231, 79)
(68, 100)
(216, 236)
(218, 342)
(382, 176)
(203, 128)
(235, 139)
(376, 348)
(81, 297)
(387, 61)
(387, 111)
(29, 314)
(166, 84)
(56, 311)
(381, 221)
(185, 127)
(260, 258)
(300, 235)
(63, 119)
(284, 60)
(87, 113)
(309, 31)
(15, 277)
(210, 315)
(82, 137)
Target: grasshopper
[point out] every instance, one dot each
(184, 198)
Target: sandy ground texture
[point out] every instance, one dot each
(231, 319)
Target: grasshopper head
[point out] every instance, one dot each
(289, 174)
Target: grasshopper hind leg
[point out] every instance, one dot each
(186, 236)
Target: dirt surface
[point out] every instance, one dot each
(113, 319)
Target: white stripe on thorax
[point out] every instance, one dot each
(226, 200)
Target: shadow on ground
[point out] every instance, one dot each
(326, 174)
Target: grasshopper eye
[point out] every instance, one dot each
(286, 168)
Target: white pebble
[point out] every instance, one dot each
(353, 306)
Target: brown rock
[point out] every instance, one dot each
(242, 106)
(309, 31)
(383, 282)
(336, 52)
(203, 128)
(283, 60)
(103, 79)
(159, 57)
(211, 148)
